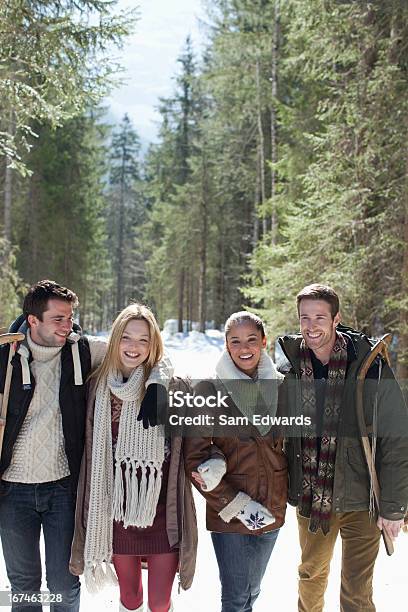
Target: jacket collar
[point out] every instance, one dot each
(291, 348)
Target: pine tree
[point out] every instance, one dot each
(11, 285)
(126, 214)
(169, 171)
(345, 219)
(60, 221)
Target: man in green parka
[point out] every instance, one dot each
(329, 479)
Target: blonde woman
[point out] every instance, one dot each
(133, 501)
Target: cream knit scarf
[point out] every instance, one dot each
(130, 492)
(253, 395)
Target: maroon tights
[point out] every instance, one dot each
(161, 572)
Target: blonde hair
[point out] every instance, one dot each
(111, 361)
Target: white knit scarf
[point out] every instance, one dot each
(248, 396)
(115, 495)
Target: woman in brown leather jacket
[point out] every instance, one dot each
(240, 468)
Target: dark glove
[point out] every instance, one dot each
(153, 409)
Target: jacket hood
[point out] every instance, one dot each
(20, 325)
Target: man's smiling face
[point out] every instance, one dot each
(317, 326)
(55, 326)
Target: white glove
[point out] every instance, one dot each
(211, 471)
(255, 516)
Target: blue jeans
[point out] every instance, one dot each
(24, 509)
(242, 561)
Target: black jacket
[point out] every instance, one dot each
(72, 405)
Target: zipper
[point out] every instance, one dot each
(182, 519)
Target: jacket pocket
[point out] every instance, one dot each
(356, 476)
(279, 496)
(238, 481)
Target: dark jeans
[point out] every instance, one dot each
(242, 561)
(24, 508)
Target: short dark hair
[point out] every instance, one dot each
(244, 317)
(319, 292)
(36, 300)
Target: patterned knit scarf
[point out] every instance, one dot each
(318, 473)
(139, 456)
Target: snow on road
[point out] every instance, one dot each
(195, 354)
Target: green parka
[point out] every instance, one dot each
(351, 490)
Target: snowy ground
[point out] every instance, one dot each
(195, 355)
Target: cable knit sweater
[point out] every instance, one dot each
(38, 453)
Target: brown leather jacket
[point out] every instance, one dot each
(255, 464)
(181, 519)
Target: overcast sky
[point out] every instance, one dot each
(149, 58)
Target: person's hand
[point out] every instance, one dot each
(198, 479)
(255, 516)
(210, 473)
(153, 409)
(392, 528)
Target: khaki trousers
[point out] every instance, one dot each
(360, 543)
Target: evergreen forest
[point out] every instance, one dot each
(281, 160)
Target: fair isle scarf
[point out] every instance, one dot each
(251, 394)
(318, 471)
(130, 493)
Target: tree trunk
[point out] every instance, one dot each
(274, 150)
(120, 244)
(190, 309)
(202, 292)
(220, 286)
(34, 197)
(255, 230)
(181, 299)
(261, 141)
(8, 190)
(402, 367)
(8, 184)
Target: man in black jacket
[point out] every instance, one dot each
(43, 445)
(329, 478)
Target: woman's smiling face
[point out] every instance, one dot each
(244, 344)
(134, 346)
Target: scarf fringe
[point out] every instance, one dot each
(96, 578)
(316, 522)
(141, 496)
(153, 491)
(135, 510)
(117, 502)
(111, 575)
